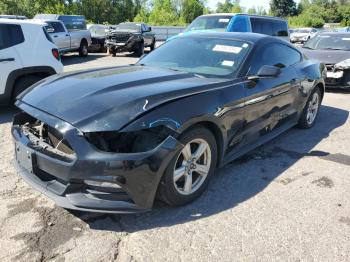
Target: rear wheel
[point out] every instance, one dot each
(310, 112)
(24, 82)
(83, 49)
(188, 174)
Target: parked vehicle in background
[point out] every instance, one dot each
(27, 55)
(301, 35)
(267, 25)
(18, 17)
(68, 32)
(130, 37)
(332, 49)
(98, 37)
(161, 127)
(342, 30)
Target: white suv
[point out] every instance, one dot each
(27, 55)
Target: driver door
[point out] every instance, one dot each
(270, 102)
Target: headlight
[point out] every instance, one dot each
(129, 142)
(343, 64)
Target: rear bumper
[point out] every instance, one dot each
(136, 175)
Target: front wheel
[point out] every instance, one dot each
(153, 45)
(310, 112)
(188, 173)
(83, 49)
(140, 49)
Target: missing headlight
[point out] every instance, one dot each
(131, 142)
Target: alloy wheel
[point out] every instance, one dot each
(192, 166)
(312, 108)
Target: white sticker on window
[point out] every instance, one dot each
(245, 45)
(227, 49)
(227, 63)
(224, 20)
(346, 39)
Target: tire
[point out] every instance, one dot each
(311, 110)
(83, 49)
(153, 45)
(174, 191)
(140, 49)
(23, 83)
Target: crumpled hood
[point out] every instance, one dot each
(327, 56)
(108, 99)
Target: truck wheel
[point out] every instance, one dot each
(140, 49)
(83, 49)
(153, 45)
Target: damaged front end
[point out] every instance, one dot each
(112, 172)
(338, 75)
(122, 41)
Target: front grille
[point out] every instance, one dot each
(330, 67)
(44, 138)
(120, 37)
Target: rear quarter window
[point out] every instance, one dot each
(269, 26)
(10, 35)
(73, 23)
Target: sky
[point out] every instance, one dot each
(244, 3)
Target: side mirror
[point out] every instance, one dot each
(266, 71)
(148, 29)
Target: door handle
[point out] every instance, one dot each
(67, 34)
(7, 60)
(55, 36)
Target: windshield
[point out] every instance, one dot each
(218, 23)
(333, 42)
(210, 57)
(129, 27)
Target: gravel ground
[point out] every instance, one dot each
(286, 201)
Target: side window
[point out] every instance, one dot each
(280, 28)
(256, 25)
(266, 26)
(56, 27)
(275, 55)
(10, 35)
(240, 24)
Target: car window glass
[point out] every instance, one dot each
(55, 27)
(256, 25)
(205, 56)
(73, 22)
(10, 35)
(240, 24)
(274, 55)
(218, 23)
(280, 28)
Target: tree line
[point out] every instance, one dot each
(313, 13)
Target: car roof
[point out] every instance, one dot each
(233, 14)
(20, 21)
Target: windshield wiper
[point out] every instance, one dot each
(307, 47)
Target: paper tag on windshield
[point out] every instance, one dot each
(346, 39)
(245, 45)
(227, 63)
(227, 49)
(224, 20)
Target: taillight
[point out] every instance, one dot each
(56, 54)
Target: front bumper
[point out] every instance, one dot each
(338, 79)
(136, 175)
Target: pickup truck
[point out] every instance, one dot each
(68, 32)
(130, 37)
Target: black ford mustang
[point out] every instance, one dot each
(110, 140)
